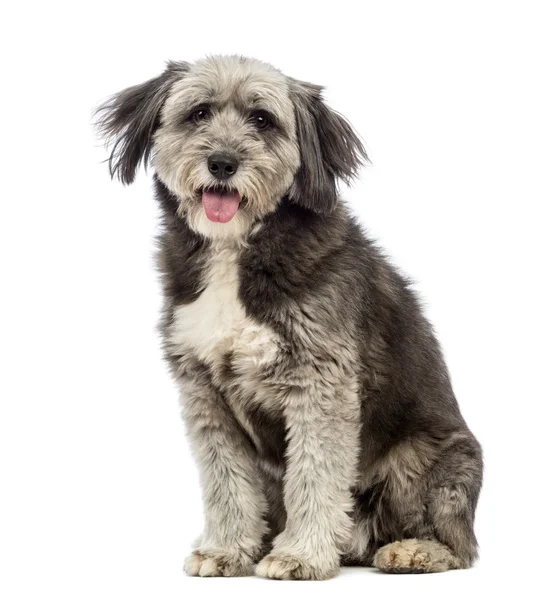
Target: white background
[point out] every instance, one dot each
(455, 100)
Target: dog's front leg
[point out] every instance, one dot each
(323, 424)
(234, 501)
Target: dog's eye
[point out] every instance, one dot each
(200, 114)
(261, 119)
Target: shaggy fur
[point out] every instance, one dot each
(314, 391)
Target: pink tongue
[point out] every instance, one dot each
(220, 207)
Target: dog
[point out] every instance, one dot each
(315, 395)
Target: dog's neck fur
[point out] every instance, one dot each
(291, 235)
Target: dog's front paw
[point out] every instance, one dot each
(218, 563)
(287, 566)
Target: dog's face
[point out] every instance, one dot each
(227, 145)
(230, 137)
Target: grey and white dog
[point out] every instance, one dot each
(315, 394)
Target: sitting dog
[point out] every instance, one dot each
(315, 394)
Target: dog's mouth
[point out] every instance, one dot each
(220, 204)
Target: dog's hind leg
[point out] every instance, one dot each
(444, 537)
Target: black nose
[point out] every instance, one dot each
(222, 165)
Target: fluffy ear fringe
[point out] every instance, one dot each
(329, 147)
(128, 120)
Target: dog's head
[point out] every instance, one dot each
(230, 137)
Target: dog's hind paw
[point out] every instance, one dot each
(415, 556)
(219, 563)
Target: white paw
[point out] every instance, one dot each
(218, 563)
(287, 566)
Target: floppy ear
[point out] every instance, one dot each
(128, 120)
(329, 147)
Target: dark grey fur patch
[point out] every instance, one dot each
(330, 149)
(129, 119)
(182, 251)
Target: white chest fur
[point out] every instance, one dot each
(216, 325)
